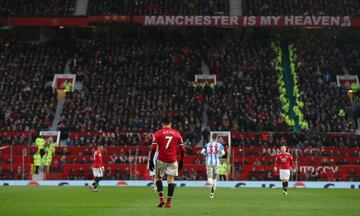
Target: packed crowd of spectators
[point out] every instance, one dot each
(319, 61)
(124, 139)
(13, 140)
(128, 87)
(310, 139)
(248, 98)
(26, 101)
(350, 55)
(181, 7)
(301, 7)
(158, 7)
(261, 139)
(37, 7)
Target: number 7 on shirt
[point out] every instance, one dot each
(169, 138)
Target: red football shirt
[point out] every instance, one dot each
(97, 159)
(167, 141)
(285, 161)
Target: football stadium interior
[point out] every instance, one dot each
(78, 74)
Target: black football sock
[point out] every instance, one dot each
(95, 184)
(98, 181)
(171, 188)
(159, 186)
(283, 184)
(286, 186)
(212, 189)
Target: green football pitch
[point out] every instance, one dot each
(117, 201)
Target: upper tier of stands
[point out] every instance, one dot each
(37, 7)
(319, 61)
(301, 7)
(181, 7)
(249, 98)
(129, 85)
(26, 101)
(158, 7)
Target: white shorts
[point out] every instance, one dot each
(212, 171)
(284, 174)
(153, 173)
(162, 168)
(98, 172)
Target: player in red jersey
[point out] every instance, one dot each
(284, 160)
(168, 142)
(98, 168)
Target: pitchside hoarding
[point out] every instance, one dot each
(228, 184)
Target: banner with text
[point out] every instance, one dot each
(248, 21)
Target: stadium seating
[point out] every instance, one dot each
(303, 7)
(128, 87)
(158, 7)
(114, 7)
(26, 101)
(115, 139)
(323, 100)
(14, 138)
(37, 7)
(248, 99)
(181, 7)
(333, 157)
(350, 51)
(85, 110)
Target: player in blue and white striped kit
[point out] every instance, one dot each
(213, 151)
(152, 173)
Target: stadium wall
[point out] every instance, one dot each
(228, 184)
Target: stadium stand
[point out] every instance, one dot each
(27, 102)
(37, 8)
(319, 61)
(13, 140)
(110, 100)
(158, 7)
(248, 100)
(250, 162)
(87, 110)
(303, 7)
(350, 55)
(252, 153)
(181, 7)
(127, 87)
